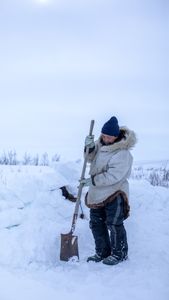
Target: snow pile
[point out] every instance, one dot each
(33, 213)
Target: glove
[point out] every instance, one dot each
(89, 141)
(86, 181)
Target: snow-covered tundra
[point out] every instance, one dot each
(33, 214)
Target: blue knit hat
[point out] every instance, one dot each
(111, 127)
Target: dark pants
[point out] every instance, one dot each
(108, 230)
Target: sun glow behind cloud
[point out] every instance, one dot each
(43, 2)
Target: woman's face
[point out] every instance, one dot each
(108, 139)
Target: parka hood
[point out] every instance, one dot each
(128, 142)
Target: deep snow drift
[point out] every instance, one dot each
(33, 213)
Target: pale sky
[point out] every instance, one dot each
(65, 62)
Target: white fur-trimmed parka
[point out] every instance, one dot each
(110, 167)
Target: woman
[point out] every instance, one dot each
(107, 197)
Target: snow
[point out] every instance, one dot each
(33, 214)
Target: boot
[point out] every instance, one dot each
(96, 258)
(113, 260)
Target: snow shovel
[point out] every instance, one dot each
(69, 241)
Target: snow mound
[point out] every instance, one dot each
(32, 211)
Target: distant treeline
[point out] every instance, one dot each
(156, 176)
(10, 158)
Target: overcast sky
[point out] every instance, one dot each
(65, 62)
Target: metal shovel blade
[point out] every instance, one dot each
(69, 247)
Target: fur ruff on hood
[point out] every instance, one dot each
(125, 143)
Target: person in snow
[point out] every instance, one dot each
(107, 197)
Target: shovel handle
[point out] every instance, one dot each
(75, 215)
(91, 127)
